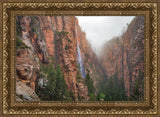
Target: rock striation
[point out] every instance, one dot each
(125, 54)
(43, 37)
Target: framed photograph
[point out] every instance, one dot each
(70, 58)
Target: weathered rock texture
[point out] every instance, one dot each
(54, 37)
(125, 54)
(25, 93)
(51, 36)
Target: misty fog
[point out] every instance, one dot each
(100, 29)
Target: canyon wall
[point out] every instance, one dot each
(47, 37)
(125, 54)
(41, 39)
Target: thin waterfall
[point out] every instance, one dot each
(80, 62)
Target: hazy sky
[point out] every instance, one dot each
(99, 29)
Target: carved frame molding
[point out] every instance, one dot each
(10, 10)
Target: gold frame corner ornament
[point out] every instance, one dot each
(10, 10)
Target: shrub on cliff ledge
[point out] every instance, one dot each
(61, 32)
(20, 44)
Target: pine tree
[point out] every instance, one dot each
(51, 85)
(90, 86)
(112, 89)
(138, 88)
(61, 87)
(56, 88)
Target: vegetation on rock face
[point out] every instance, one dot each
(20, 44)
(138, 89)
(18, 28)
(67, 47)
(90, 86)
(79, 78)
(34, 20)
(55, 88)
(62, 32)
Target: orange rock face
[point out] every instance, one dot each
(66, 50)
(52, 36)
(125, 54)
(46, 26)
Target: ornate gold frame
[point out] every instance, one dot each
(148, 10)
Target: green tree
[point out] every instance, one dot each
(79, 78)
(138, 88)
(115, 90)
(47, 92)
(90, 86)
(112, 89)
(61, 87)
(56, 88)
(100, 96)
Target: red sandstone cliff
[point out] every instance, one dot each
(50, 36)
(125, 54)
(54, 36)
